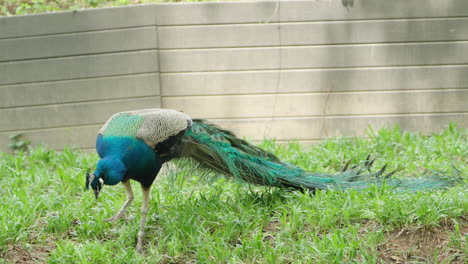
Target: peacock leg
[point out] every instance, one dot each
(121, 213)
(144, 213)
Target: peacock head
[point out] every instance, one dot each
(109, 171)
(95, 182)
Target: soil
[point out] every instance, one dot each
(36, 254)
(406, 245)
(419, 245)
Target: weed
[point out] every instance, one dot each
(18, 144)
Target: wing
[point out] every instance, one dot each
(150, 125)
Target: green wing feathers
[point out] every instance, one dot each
(220, 151)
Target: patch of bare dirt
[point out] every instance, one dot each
(272, 227)
(420, 245)
(36, 254)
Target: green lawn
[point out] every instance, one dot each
(23, 7)
(47, 216)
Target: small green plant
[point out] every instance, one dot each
(23, 7)
(17, 143)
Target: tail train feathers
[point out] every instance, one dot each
(220, 151)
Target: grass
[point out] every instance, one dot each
(47, 216)
(23, 7)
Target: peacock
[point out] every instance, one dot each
(134, 145)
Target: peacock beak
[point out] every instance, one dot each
(96, 193)
(99, 188)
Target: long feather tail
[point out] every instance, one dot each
(221, 151)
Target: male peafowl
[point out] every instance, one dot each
(135, 144)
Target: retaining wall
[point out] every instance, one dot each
(301, 70)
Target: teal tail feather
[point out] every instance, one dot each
(220, 151)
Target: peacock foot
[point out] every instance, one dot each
(138, 247)
(118, 216)
(139, 244)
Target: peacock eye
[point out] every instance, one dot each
(101, 183)
(89, 179)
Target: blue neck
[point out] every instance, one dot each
(111, 170)
(125, 157)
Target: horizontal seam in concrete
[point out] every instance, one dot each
(26, 37)
(77, 79)
(386, 43)
(51, 128)
(402, 114)
(278, 21)
(315, 140)
(409, 43)
(317, 68)
(335, 116)
(264, 119)
(361, 68)
(439, 89)
(119, 52)
(275, 22)
(81, 149)
(83, 102)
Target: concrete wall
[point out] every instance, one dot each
(266, 69)
(62, 75)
